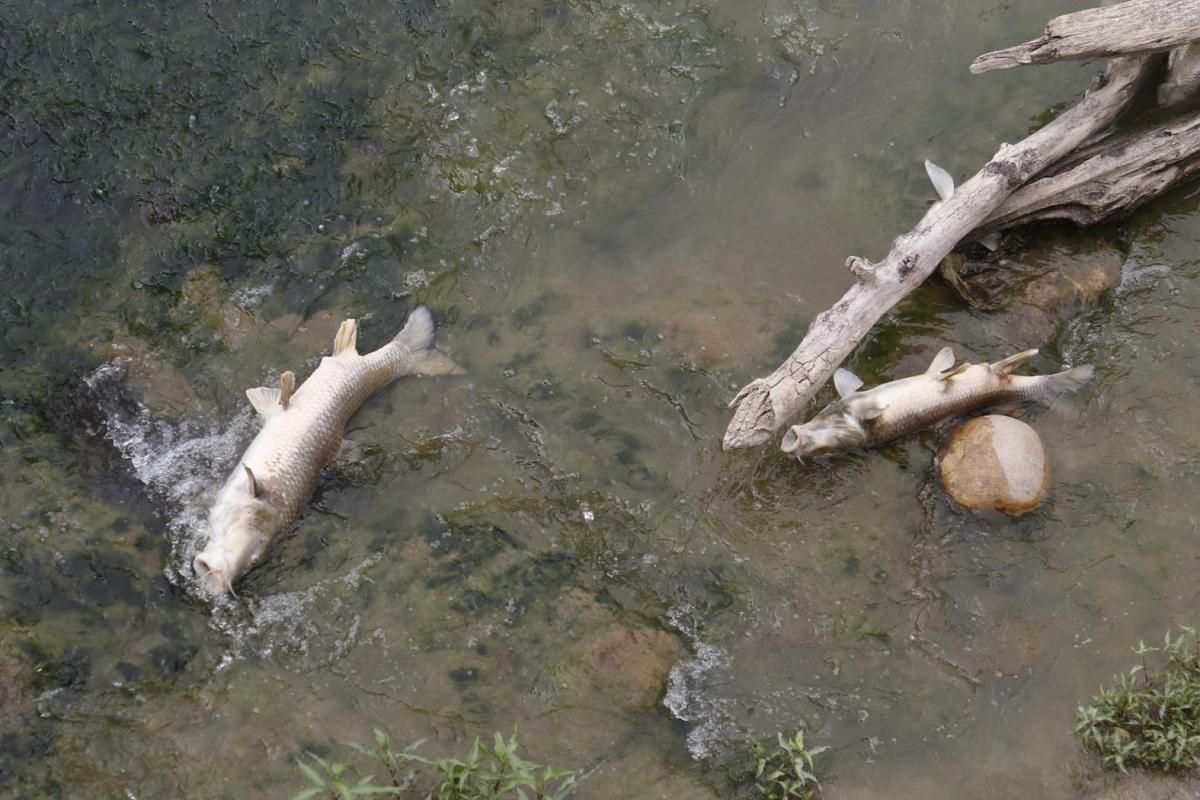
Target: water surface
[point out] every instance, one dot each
(620, 212)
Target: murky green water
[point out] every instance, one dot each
(621, 212)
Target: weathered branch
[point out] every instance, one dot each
(1106, 180)
(1132, 27)
(762, 407)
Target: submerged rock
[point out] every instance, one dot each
(162, 386)
(1035, 292)
(995, 462)
(632, 662)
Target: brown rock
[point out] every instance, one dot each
(1057, 294)
(1034, 293)
(633, 662)
(162, 386)
(203, 300)
(995, 462)
(315, 334)
(729, 334)
(1018, 645)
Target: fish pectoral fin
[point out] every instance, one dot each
(959, 370)
(846, 382)
(943, 184)
(1007, 365)
(254, 490)
(943, 361)
(345, 343)
(870, 412)
(265, 399)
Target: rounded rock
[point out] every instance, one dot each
(995, 462)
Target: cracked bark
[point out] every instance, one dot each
(1105, 180)
(1131, 27)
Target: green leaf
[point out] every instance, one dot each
(313, 776)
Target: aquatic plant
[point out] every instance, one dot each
(785, 771)
(326, 779)
(1151, 718)
(488, 772)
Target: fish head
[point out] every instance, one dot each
(238, 541)
(1170, 93)
(831, 431)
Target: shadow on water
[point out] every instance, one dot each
(620, 212)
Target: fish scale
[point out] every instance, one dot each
(879, 415)
(916, 407)
(301, 433)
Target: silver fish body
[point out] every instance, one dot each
(1183, 75)
(301, 433)
(869, 418)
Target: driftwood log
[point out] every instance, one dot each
(1105, 180)
(1134, 26)
(765, 405)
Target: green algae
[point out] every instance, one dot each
(620, 212)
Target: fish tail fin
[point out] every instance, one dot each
(417, 336)
(1067, 382)
(1057, 388)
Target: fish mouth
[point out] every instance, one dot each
(791, 441)
(214, 573)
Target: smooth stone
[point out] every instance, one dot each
(995, 462)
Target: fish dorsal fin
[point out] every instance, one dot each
(346, 340)
(253, 483)
(846, 382)
(1007, 365)
(943, 184)
(265, 400)
(287, 385)
(943, 361)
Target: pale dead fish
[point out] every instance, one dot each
(875, 416)
(302, 430)
(1183, 75)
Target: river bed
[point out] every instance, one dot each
(620, 213)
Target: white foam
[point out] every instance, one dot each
(182, 464)
(691, 698)
(179, 462)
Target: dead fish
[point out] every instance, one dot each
(1183, 75)
(875, 416)
(302, 430)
